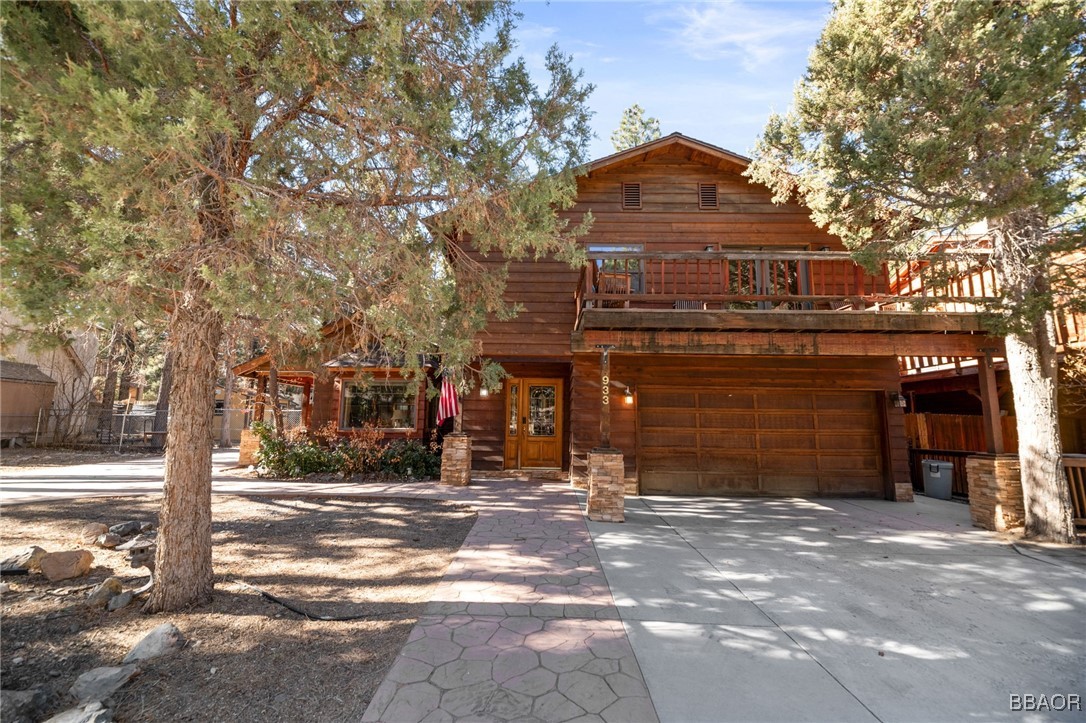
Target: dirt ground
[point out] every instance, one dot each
(64, 456)
(247, 659)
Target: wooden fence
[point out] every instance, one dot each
(956, 432)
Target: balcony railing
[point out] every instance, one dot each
(778, 280)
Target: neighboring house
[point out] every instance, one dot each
(65, 368)
(748, 354)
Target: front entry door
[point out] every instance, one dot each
(533, 423)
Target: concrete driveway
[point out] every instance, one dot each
(833, 610)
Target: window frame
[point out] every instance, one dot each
(408, 389)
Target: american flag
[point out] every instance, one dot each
(449, 404)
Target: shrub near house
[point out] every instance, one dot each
(299, 453)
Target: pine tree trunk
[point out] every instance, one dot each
(183, 572)
(1032, 364)
(109, 388)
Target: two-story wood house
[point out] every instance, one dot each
(747, 353)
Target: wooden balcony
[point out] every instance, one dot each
(746, 283)
(783, 303)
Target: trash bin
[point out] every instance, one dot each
(938, 478)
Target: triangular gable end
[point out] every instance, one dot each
(699, 151)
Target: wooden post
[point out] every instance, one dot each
(989, 402)
(261, 398)
(605, 394)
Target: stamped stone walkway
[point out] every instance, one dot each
(523, 626)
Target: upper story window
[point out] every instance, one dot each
(631, 196)
(386, 405)
(707, 196)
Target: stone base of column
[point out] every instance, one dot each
(456, 460)
(903, 492)
(606, 486)
(577, 481)
(995, 491)
(247, 448)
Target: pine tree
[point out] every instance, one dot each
(634, 129)
(916, 115)
(194, 162)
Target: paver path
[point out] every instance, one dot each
(523, 626)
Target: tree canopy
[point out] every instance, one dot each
(194, 162)
(918, 119)
(635, 129)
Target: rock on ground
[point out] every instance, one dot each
(21, 706)
(100, 683)
(29, 558)
(91, 532)
(93, 712)
(166, 638)
(109, 540)
(125, 528)
(106, 590)
(66, 565)
(119, 601)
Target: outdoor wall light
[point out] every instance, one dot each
(628, 396)
(484, 392)
(898, 400)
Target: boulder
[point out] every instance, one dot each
(139, 541)
(100, 596)
(28, 558)
(93, 712)
(109, 540)
(120, 601)
(91, 532)
(166, 638)
(66, 565)
(125, 529)
(100, 683)
(19, 706)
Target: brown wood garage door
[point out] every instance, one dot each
(759, 442)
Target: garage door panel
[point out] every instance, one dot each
(669, 438)
(761, 441)
(727, 440)
(719, 483)
(722, 461)
(782, 485)
(670, 418)
(786, 421)
(728, 420)
(725, 400)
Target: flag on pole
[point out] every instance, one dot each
(449, 405)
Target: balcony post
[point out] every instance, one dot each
(989, 403)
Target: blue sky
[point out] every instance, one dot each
(712, 70)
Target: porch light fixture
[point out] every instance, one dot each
(628, 396)
(898, 400)
(484, 392)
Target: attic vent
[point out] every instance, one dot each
(631, 195)
(707, 197)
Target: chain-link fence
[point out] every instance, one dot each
(123, 426)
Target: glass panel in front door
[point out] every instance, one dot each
(541, 411)
(514, 409)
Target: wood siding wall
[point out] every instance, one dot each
(707, 372)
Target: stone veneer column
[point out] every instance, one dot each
(995, 491)
(247, 448)
(606, 486)
(456, 460)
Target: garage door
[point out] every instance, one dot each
(759, 442)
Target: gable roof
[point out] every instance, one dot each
(19, 372)
(700, 150)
